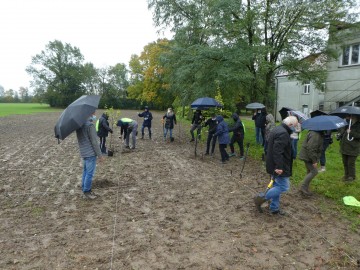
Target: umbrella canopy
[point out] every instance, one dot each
(317, 113)
(285, 112)
(324, 122)
(75, 115)
(255, 106)
(205, 103)
(345, 111)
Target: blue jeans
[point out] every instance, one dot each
(259, 135)
(326, 144)
(294, 143)
(281, 184)
(166, 131)
(89, 165)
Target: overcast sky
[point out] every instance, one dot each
(106, 32)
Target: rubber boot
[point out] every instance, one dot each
(259, 200)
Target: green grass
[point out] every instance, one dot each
(328, 184)
(24, 108)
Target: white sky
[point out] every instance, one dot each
(106, 32)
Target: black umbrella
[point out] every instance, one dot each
(285, 112)
(255, 106)
(75, 115)
(204, 103)
(345, 111)
(317, 113)
(324, 122)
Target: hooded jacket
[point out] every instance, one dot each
(311, 147)
(279, 151)
(104, 126)
(238, 128)
(212, 123)
(170, 120)
(270, 125)
(88, 144)
(222, 131)
(147, 117)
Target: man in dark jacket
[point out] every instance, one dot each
(260, 122)
(196, 124)
(238, 136)
(147, 121)
(103, 131)
(278, 164)
(211, 122)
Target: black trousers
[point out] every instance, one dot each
(210, 139)
(224, 154)
(349, 165)
(103, 144)
(240, 141)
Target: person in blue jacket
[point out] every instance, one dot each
(147, 121)
(222, 133)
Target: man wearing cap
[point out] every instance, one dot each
(147, 121)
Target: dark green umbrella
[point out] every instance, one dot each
(75, 115)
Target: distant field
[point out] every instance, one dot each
(24, 108)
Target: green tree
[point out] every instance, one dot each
(243, 44)
(58, 73)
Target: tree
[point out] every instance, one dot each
(58, 73)
(248, 42)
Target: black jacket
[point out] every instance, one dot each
(260, 119)
(197, 118)
(238, 128)
(147, 118)
(212, 125)
(104, 126)
(279, 151)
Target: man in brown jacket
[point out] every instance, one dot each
(310, 153)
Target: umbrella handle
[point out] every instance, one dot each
(348, 135)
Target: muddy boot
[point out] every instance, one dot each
(305, 191)
(259, 200)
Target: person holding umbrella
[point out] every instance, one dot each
(260, 121)
(350, 147)
(103, 131)
(310, 153)
(89, 151)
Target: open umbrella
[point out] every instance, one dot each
(204, 103)
(255, 106)
(285, 112)
(345, 111)
(324, 122)
(317, 113)
(75, 115)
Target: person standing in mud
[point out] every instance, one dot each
(212, 123)
(147, 121)
(310, 153)
(270, 125)
(222, 131)
(169, 119)
(260, 118)
(237, 137)
(89, 151)
(196, 124)
(278, 165)
(103, 131)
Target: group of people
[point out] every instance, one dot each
(281, 149)
(279, 142)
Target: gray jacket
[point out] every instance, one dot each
(87, 140)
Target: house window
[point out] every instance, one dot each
(322, 88)
(306, 88)
(351, 55)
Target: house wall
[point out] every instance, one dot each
(343, 82)
(290, 93)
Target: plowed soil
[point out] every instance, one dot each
(159, 207)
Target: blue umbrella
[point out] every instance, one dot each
(75, 115)
(205, 103)
(324, 122)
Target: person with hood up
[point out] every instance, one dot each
(238, 136)
(89, 151)
(212, 123)
(147, 121)
(222, 132)
(196, 124)
(128, 126)
(310, 153)
(278, 165)
(103, 131)
(169, 119)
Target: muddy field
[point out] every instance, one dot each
(160, 207)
